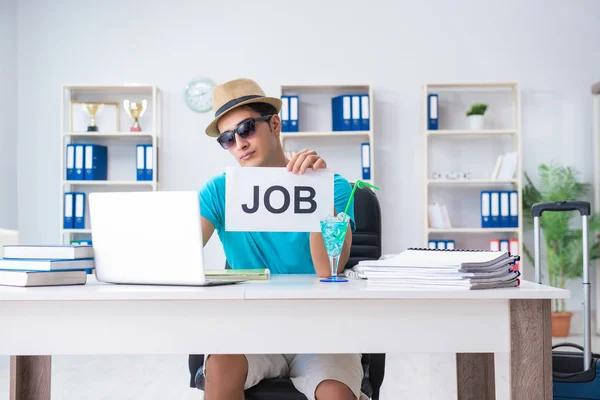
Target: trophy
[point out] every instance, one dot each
(135, 111)
(92, 109)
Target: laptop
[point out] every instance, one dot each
(149, 238)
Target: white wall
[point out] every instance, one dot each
(8, 114)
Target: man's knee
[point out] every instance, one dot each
(333, 390)
(225, 369)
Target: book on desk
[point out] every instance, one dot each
(444, 268)
(28, 265)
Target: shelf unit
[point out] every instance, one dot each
(114, 133)
(315, 122)
(455, 144)
(596, 134)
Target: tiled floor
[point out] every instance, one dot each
(408, 376)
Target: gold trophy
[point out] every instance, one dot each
(92, 110)
(135, 111)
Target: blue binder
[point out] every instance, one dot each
(294, 113)
(356, 115)
(69, 208)
(514, 209)
(432, 112)
(485, 209)
(366, 160)
(79, 212)
(504, 209)
(365, 118)
(70, 162)
(96, 162)
(79, 162)
(432, 244)
(149, 162)
(341, 114)
(450, 245)
(285, 114)
(494, 209)
(140, 162)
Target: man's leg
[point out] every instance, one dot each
(327, 376)
(227, 376)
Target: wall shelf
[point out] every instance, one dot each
(460, 152)
(113, 132)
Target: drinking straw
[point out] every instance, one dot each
(358, 184)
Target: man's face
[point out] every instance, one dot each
(256, 150)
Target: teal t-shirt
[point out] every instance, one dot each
(281, 252)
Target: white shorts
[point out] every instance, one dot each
(306, 371)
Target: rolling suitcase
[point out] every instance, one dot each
(575, 375)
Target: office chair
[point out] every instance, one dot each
(366, 245)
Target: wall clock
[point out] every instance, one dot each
(198, 94)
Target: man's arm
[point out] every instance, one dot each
(207, 230)
(320, 257)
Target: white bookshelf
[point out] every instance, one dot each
(341, 149)
(454, 147)
(113, 132)
(596, 134)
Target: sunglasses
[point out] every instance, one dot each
(245, 129)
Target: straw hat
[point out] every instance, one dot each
(233, 94)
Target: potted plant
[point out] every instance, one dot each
(475, 115)
(563, 242)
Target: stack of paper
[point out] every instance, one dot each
(430, 268)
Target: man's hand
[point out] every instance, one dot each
(305, 159)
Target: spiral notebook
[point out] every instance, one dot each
(446, 260)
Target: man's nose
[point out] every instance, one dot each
(240, 142)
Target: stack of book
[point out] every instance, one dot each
(435, 268)
(27, 265)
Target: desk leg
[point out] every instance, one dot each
(530, 350)
(475, 376)
(30, 377)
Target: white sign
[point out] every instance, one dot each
(264, 199)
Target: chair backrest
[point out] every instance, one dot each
(366, 239)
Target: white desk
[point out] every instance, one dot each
(289, 314)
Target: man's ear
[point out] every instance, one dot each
(275, 122)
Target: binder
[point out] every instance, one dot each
(96, 162)
(432, 244)
(366, 160)
(141, 162)
(494, 209)
(365, 119)
(70, 162)
(504, 245)
(68, 211)
(432, 112)
(494, 245)
(514, 209)
(450, 245)
(79, 210)
(485, 209)
(441, 245)
(293, 113)
(356, 120)
(285, 114)
(513, 247)
(79, 161)
(504, 210)
(149, 163)
(341, 113)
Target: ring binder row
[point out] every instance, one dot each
(456, 250)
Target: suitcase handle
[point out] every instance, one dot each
(563, 205)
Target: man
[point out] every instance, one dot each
(248, 125)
